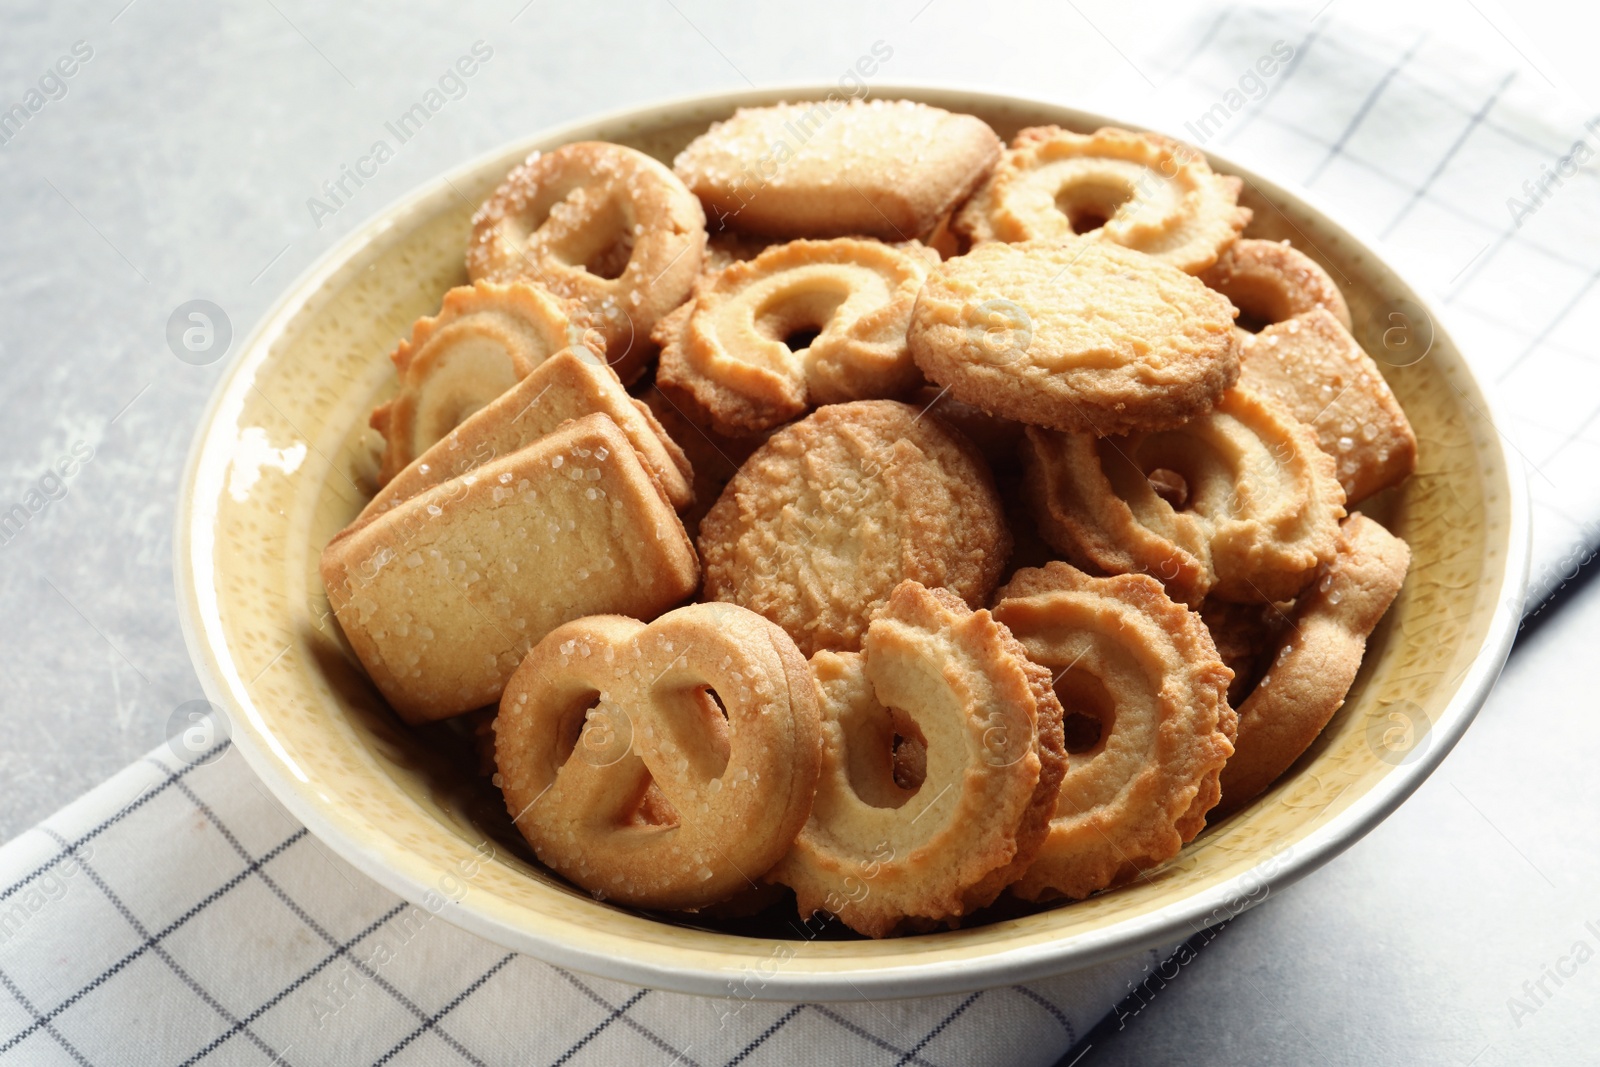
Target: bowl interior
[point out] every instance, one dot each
(285, 461)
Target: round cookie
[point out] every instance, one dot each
(600, 224)
(1074, 334)
(1138, 190)
(800, 324)
(833, 512)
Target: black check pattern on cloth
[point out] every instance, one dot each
(240, 874)
(178, 915)
(1425, 147)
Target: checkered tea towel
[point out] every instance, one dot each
(178, 915)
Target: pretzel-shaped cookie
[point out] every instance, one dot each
(980, 723)
(1239, 502)
(1139, 190)
(1148, 724)
(733, 349)
(621, 770)
(485, 339)
(600, 224)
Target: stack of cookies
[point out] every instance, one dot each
(943, 520)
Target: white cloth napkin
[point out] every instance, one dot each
(178, 915)
(1478, 179)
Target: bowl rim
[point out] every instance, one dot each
(672, 967)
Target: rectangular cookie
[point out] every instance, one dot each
(1313, 365)
(568, 385)
(443, 594)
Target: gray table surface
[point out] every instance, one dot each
(178, 164)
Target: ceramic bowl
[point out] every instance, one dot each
(276, 469)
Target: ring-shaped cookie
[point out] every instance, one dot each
(1138, 190)
(1317, 659)
(1239, 502)
(600, 224)
(630, 779)
(985, 726)
(485, 339)
(1270, 281)
(1147, 723)
(801, 324)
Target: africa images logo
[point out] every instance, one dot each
(351, 178)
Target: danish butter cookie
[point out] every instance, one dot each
(1074, 334)
(893, 837)
(484, 340)
(662, 765)
(1138, 190)
(801, 324)
(1239, 502)
(833, 512)
(442, 595)
(1246, 636)
(599, 224)
(569, 385)
(832, 168)
(1269, 281)
(1318, 659)
(1147, 722)
(1311, 364)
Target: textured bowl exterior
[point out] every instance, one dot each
(253, 520)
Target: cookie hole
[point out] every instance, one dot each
(716, 722)
(887, 761)
(603, 245)
(909, 762)
(1089, 207)
(570, 725)
(1170, 486)
(1252, 323)
(1089, 712)
(650, 810)
(1261, 301)
(796, 315)
(533, 221)
(1085, 220)
(611, 259)
(595, 732)
(801, 338)
(1082, 732)
(908, 755)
